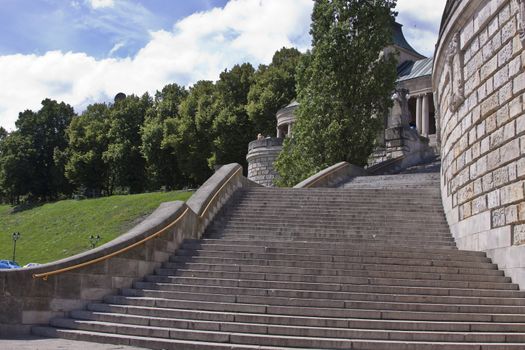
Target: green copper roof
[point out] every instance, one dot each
(400, 41)
(411, 70)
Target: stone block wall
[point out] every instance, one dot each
(479, 86)
(28, 299)
(261, 156)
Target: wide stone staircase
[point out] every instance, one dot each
(371, 265)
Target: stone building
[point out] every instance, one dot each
(414, 77)
(479, 86)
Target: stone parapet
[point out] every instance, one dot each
(261, 156)
(479, 84)
(332, 176)
(32, 296)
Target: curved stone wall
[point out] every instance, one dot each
(261, 156)
(478, 84)
(33, 296)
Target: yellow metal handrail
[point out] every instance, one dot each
(45, 275)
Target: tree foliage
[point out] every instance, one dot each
(88, 140)
(232, 129)
(123, 155)
(137, 144)
(190, 135)
(28, 164)
(273, 88)
(343, 87)
(161, 158)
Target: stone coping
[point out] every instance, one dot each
(201, 199)
(332, 175)
(266, 142)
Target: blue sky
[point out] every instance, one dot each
(85, 51)
(95, 27)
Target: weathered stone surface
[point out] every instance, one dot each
(496, 150)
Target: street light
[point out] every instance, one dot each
(93, 240)
(15, 236)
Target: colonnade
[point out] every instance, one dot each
(423, 113)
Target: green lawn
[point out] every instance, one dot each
(58, 230)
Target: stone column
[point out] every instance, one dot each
(418, 113)
(279, 133)
(290, 129)
(425, 116)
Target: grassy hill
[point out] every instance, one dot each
(61, 229)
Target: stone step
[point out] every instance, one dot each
(381, 206)
(185, 271)
(307, 233)
(359, 243)
(228, 238)
(426, 196)
(275, 253)
(172, 344)
(276, 339)
(286, 218)
(309, 294)
(143, 342)
(280, 243)
(337, 287)
(140, 315)
(322, 239)
(252, 280)
(327, 264)
(330, 270)
(325, 303)
(465, 315)
(343, 193)
(167, 324)
(326, 223)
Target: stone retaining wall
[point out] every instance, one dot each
(26, 301)
(478, 83)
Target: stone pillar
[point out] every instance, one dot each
(425, 116)
(418, 113)
(279, 133)
(290, 129)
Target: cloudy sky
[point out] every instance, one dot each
(85, 51)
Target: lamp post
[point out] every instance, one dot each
(93, 240)
(15, 236)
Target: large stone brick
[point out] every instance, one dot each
(498, 217)
(519, 234)
(510, 151)
(512, 193)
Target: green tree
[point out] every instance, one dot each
(88, 140)
(3, 134)
(43, 135)
(232, 129)
(161, 159)
(273, 88)
(344, 87)
(17, 157)
(189, 135)
(127, 170)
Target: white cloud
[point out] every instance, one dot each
(96, 4)
(199, 47)
(421, 20)
(116, 47)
